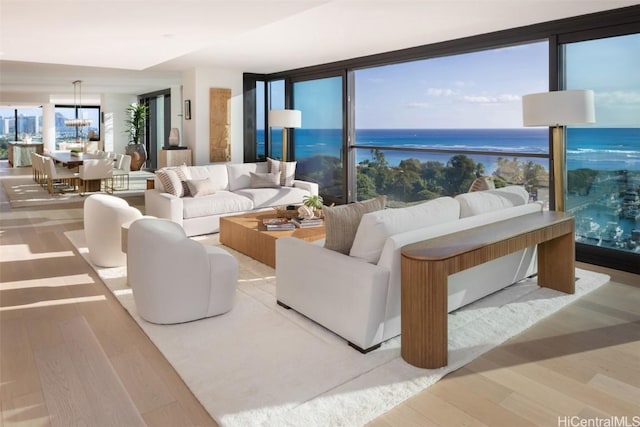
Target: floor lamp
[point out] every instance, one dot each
(286, 119)
(558, 109)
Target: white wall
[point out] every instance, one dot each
(115, 104)
(196, 85)
(49, 126)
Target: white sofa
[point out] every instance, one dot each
(357, 296)
(233, 194)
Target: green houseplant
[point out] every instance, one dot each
(135, 125)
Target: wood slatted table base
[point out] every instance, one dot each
(427, 265)
(246, 234)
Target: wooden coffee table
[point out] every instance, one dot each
(246, 234)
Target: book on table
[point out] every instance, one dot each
(307, 223)
(274, 224)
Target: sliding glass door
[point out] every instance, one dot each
(318, 144)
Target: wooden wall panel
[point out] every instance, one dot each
(219, 125)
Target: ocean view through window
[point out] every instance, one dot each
(413, 118)
(446, 120)
(603, 160)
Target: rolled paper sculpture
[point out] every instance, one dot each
(305, 212)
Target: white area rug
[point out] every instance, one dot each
(23, 192)
(260, 364)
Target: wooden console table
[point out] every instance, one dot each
(426, 266)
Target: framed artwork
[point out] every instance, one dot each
(187, 109)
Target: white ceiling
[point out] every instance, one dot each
(136, 46)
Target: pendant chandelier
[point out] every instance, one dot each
(77, 103)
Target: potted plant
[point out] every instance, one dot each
(314, 202)
(135, 125)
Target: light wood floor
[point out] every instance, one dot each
(71, 355)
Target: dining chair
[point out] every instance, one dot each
(57, 177)
(93, 172)
(41, 173)
(121, 172)
(34, 166)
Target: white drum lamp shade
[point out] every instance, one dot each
(560, 108)
(556, 109)
(286, 119)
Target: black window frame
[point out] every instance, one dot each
(608, 23)
(77, 110)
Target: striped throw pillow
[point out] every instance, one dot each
(171, 183)
(287, 171)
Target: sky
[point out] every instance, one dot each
(611, 67)
(481, 89)
(474, 90)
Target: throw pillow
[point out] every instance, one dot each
(342, 222)
(170, 182)
(287, 171)
(265, 180)
(376, 227)
(201, 187)
(184, 175)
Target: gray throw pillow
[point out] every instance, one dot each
(342, 222)
(264, 180)
(201, 187)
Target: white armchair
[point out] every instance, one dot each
(175, 279)
(103, 219)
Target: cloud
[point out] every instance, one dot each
(460, 83)
(485, 99)
(418, 105)
(618, 97)
(433, 91)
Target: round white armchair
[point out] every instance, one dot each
(103, 219)
(175, 279)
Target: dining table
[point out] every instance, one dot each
(66, 158)
(72, 161)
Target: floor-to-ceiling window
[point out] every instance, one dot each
(318, 144)
(425, 121)
(260, 122)
(603, 160)
(428, 128)
(18, 124)
(158, 124)
(275, 101)
(71, 134)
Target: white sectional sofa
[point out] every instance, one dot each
(357, 296)
(233, 191)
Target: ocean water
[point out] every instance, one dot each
(596, 148)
